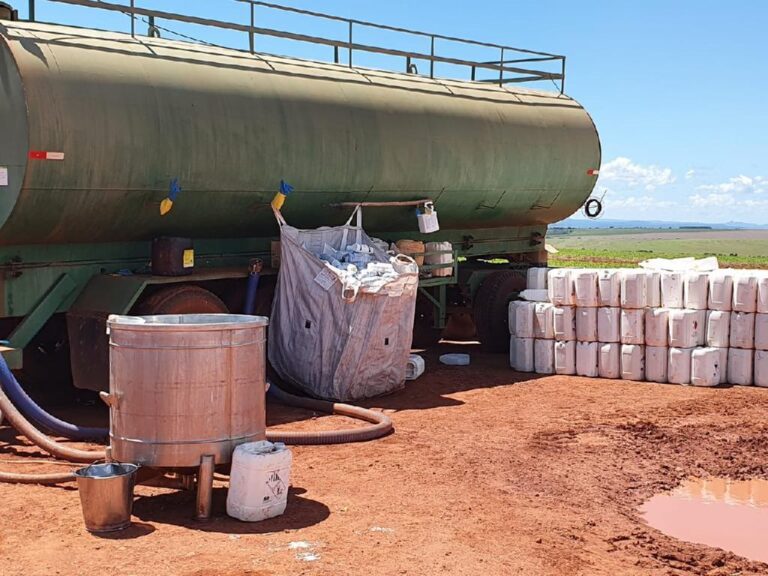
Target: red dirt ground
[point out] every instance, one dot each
(488, 472)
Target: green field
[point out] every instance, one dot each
(616, 247)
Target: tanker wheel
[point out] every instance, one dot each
(491, 305)
(184, 299)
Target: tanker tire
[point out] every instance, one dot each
(490, 308)
(184, 299)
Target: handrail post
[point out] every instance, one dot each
(335, 54)
(31, 10)
(350, 44)
(474, 68)
(432, 58)
(562, 76)
(501, 68)
(133, 19)
(250, 31)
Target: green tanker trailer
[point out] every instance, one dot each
(96, 125)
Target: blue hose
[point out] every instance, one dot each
(37, 415)
(252, 287)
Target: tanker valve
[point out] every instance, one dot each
(279, 199)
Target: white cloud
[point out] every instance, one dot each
(740, 185)
(690, 174)
(641, 203)
(625, 173)
(714, 199)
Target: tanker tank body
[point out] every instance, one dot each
(98, 123)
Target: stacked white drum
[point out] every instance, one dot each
(700, 328)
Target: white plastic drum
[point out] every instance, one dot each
(524, 354)
(543, 320)
(609, 360)
(742, 330)
(537, 278)
(656, 326)
(705, 367)
(585, 287)
(718, 329)
(544, 356)
(696, 290)
(633, 362)
(656, 364)
(761, 368)
(684, 328)
(609, 324)
(632, 326)
(560, 286)
(740, 366)
(586, 324)
(523, 318)
(745, 292)
(259, 481)
(672, 289)
(720, 290)
(653, 288)
(609, 288)
(565, 358)
(564, 320)
(679, 366)
(633, 289)
(587, 359)
(761, 331)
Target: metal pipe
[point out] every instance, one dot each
(133, 19)
(432, 58)
(205, 487)
(250, 33)
(350, 44)
(562, 77)
(31, 10)
(501, 68)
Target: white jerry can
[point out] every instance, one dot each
(653, 288)
(745, 292)
(585, 288)
(632, 326)
(259, 481)
(742, 330)
(672, 289)
(723, 365)
(543, 320)
(565, 358)
(427, 219)
(656, 364)
(656, 326)
(560, 286)
(609, 324)
(537, 278)
(586, 324)
(609, 288)
(523, 316)
(512, 358)
(720, 290)
(761, 331)
(564, 321)
(679, 366)
(511, 313)
(609, 360)
(761, 368)
(634, 286)
(696, 290)
(705, 367)
(524, 355)
(544, 356)
(633, 362)
(740, 366)
(762, 292)
(718, 329)
(586, 359)
(684, 328)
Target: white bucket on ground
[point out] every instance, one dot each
(761, 368)
(720, 290)
(609, 360)
(543, 320)
(565, 358)
(586, 324)
(259, 481)
(696, 290)
(415, 367)
(632, 326)
(633, 289)
(672, 289)
(718, 329)
(587, 359)
(653, 288)
(679, 365)
(544, 356)
(705, 367)
(564, 320)
(585, 288)
(523, 355)
(684, 328)
(537, 278)
(761, 331)
(609, 324)
(609, 288)
(523, 317)
(742, 330)
(740, 366)
(656, 326)
(633, 362)
(560, 286)
(745, 292)
(656, 364)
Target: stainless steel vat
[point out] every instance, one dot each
(185, 386)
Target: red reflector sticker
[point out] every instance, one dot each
(43, 155)
(592, 172)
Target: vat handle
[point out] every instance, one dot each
(109, 399)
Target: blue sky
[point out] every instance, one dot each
(677, 88)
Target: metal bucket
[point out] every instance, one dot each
(106, 495)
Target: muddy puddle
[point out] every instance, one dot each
(727, 514)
